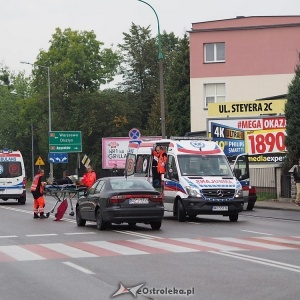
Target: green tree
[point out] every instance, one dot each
(292, 113)
(178, 90)
(139, 70)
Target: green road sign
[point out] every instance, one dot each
(65, 141)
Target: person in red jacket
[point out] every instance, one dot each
(37, 190)
(161, 158)
(89, 177)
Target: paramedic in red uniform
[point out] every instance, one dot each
(89, 177)
(161, 157)
(37, 190)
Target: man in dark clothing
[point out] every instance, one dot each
(115, 171)
(296, 174)
(65, 180)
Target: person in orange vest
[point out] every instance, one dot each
(160, 156)
(89, 177)
(37, 190)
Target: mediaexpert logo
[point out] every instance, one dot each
(124, 290)
(145, 291)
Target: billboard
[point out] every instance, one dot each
(114, 150)
(262, 138)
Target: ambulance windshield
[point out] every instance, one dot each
(204, 165)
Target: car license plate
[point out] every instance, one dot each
(219, 208)
(139, 201)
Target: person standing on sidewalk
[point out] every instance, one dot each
(296, 174)
(37, 190)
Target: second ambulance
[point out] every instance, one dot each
(198, 178)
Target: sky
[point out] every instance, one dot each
(27, 26)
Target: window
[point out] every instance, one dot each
(214, 92)
(214, 52)
(10, 169)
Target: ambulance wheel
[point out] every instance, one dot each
(181, 214)
(22, 200)
(233, 217)
(80, 222)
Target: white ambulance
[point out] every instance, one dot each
(198, 178)
(12, 176)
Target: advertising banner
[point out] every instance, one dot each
(262, 138)
(114, 151)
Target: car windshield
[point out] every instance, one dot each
(204, 165)
(130, 184)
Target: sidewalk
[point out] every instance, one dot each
(282, 203)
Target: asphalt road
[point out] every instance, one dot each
(208, 257)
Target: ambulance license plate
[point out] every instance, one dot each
(220, 208)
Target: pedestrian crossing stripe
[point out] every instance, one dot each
(93, 249)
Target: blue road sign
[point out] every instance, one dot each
(134, 134)
(58, 158)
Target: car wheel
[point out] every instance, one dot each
(233, 218)
(80, 222)
(22, 199)
(132, 224)
(101, 225)
(155, 225)
(250, 206)
(181, 215)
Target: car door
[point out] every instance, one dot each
(86, 204)
(95, 199)
(171, 182)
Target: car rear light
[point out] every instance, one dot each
(156, 198)
(252, 190)
(118, 199)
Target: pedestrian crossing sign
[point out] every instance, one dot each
(39, 162)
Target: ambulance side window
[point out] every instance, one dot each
(171, 172)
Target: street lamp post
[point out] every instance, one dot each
(161, 78)
(49, 103)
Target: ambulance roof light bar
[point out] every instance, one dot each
(6, 150)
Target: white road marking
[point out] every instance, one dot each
(209, 244)
(79, 233)
(267, 262)
(68, 250)
(7, 236)
(281, 240)
(41, 234)
(20, 253)
(254, 243)
(84, 270)
(116, 248)
(263, 233)
(147, 236)
(164, 246)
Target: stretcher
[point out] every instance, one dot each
(63, 192)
